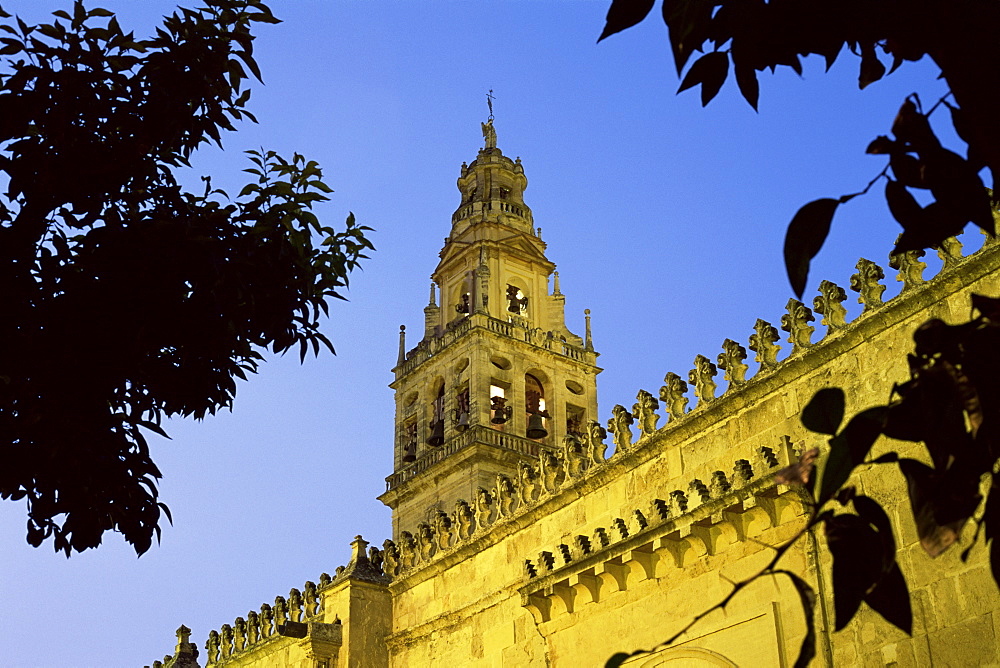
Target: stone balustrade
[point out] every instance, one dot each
(518, 329)
(475, 434)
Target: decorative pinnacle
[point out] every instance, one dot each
(402, 345)
(432, 302)
(588, 341)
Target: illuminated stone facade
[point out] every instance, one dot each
(517, 541)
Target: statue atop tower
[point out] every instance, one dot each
(489, 134)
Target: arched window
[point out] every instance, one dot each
(517, 301)
(436, 436)
(534, 407)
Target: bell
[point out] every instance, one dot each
(463, 422)
(409, 457)
(437, 433)
(536, 427)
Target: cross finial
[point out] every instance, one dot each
(489, 101)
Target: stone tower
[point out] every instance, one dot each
(497, 378)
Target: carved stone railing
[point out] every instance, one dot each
(295, 616)
(510, 329)
(473, 208)
(648, 543)
(475, 434)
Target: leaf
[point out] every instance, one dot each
(825, 411)
(851, 541)
(988, 307)
(710, 71)
(807, 652)
(872, 68)
(955, 182)
(913, 128)
(903, 206)
(805, 236)
(849, 449)
(891, 599)
(939, 510)
(746, 79)
(872, 512)
(908, 170)
(617, 660)
(624, 14)
(688, 23)
(882, 145)
(991, 524)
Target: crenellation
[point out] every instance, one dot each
(212, 647)
(829, 304)
(280, 610)
(764, 342)
(484, 509)
(742, 472)
(867, 284)
(731, 514)
(644, 411)
(295, 605)
(226, 634)
(910, 268)
(950, 253)
(311, 598)
(425, 541)
(730, 360)
(239, 634)
(583, 545)
(464, 519)
(719, 486)
(796, 323)
(552, 472)
(678, 503)
(620, 527)
(699, 492)
(266, 621)
(767, 457)
(575, 459)
(620, 427)
(659, 511)
(701, 377)
(595, 439)
(672, 396)
(546, 562)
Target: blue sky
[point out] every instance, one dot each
(666, 220)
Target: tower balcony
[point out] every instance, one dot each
(493, 206)
(475, 434)
(519, 330)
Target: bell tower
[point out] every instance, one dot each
(497, 377)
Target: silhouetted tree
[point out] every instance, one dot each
(126, 298)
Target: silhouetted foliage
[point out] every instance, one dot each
(958, 35)
(951, 403)
(126, 298)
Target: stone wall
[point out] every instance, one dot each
(581, 556)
